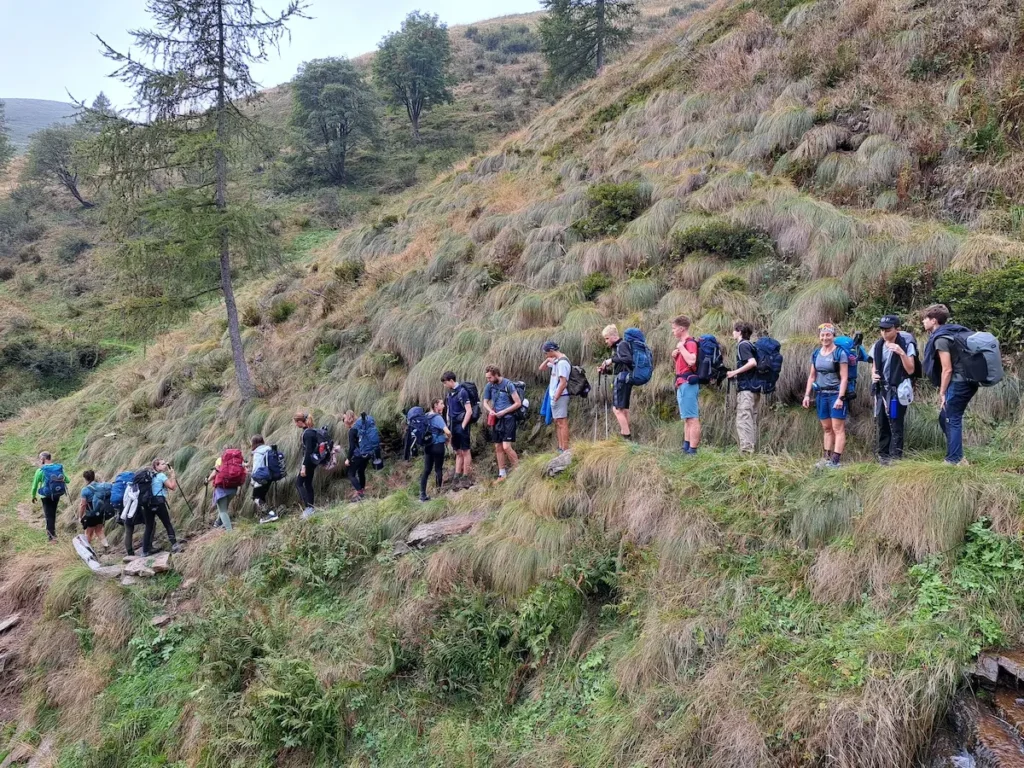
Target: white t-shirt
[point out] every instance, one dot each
(560, 367)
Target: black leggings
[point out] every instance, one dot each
(260, 492)
(357, 472)
(158, 510)
(433, 461)
(50, 513)
(304, 485)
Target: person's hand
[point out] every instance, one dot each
(807, 401)
(675, 353)
(731, 374)
(875, 376)
(346, 462)
(33, 499)
(302, 471)
(838, 404)
(895, 348)
(942, 402)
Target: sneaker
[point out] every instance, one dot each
(217, 523)
(501, 478)
(308, 512)
(176, 548)
(822, 463)
(424, 499)
(271, 517)
(885, 461)
(832, 464)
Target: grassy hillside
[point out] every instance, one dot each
(639, 609)
(26, 116)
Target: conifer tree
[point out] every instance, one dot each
(178, 226)
(578, 35)
(6, 147)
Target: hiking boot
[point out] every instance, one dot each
(424, 499)
(308, 512)
(271, 517)
(217, 523)
(357, 498)
(885, 461)
(832, 464)
(176, 548)
(822, 463)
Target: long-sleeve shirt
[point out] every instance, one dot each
(38, 480)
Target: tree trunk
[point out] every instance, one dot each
(599, 31)
(242, 376)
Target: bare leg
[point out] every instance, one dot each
(692, 432)
(510, 452)
(622, 416)
(839, 435)
(499, 454)
(829, 437)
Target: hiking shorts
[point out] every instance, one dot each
(461, 437)
(560, 408)
(91, 520)
(825, 403)
(504, 431)
(686, 397)
(622, 391)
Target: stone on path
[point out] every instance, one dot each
(425, 534)
(559, 464)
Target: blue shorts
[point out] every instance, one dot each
(825, 401)
(686, 397)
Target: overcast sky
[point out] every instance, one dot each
(48, 47)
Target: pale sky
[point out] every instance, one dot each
(48, 48)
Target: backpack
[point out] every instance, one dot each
(577, 384)
(474, 400)
(522, 413)
(142, 490)
(643, 361)
(907, 339)
(119, 486)
(980, 356)
(369, 436)
(417, 433)
(768, 352)
(276, 464)
(129, 504)
(54, 485)
(100, 505)
(855, 353)
(324, 446)
(710, 363)
(231, 473)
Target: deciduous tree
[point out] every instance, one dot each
(55, 156)
(413, 66)
(578, 35)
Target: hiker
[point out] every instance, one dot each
(687, 386)
(227, 476)
(91, 508)
(829, 378)
(433, 453)
(49, 484)
(894, 361)
(946, 359)
(363, 448)
(460, 416)
(620, 365)
(267, 468)
(501, 401)
(748, 399)
(310, 449)
(164, 480)
(558, 393)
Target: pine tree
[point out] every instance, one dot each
(578, 35)
(6, 147)
(177, 226)
(413, 66)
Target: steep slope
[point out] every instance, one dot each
(26, 116)
(641, 608)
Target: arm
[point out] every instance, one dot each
(947, 373)
(810, 386)
(908, 362)
(37, 481)
(750, 364)
(844, 380)
(171, 483)
(562, 384)
(469, 409)
(690, 358)
(488, 406)
(517, 402)
(83, 507)
(213, 474)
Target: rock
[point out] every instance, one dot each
(138, 568)
(127, 581)
(559, 464)
(161, 563)
(401, 548)
(10, 622)
(129, 558)
(987, 667)
(159, 621)
(425, 534)
(1012, 662)
(108, 571)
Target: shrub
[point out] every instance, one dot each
(908, 288)
(251, 316)
(70, 248)
(991, 301)
(384, 223)
(6, 273)
(505, 86)
(29, 232)
(729, 241)
(610, 208)
(594, 283)
(349, 271)
(839, 67)
(509, 39)
(281, 310)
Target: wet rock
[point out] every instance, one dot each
(425, 534)
(1010, 708)
(1012, 662)
(991, 742)
(10, 622)
(559, 464)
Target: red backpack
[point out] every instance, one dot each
(232, 471)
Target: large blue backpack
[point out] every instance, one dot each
(855, 354)
(117, 488)
(769, 364)
(54, 485)
(710, 363)
(643, 362)
(369, 436)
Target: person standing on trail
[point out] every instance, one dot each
(558, 391)
(433, 453)
(49, 485)
(460, 418)
(893, 364)
(501, 401)
(90, 510)
(355, 464)
(747, 398)
(310, 451)
(687, 386)
(620, 365)
(828, 378)
(164, 480)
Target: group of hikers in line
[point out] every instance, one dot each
(957, 361)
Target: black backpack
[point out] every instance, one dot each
(577, 384)
(522, 413)
(143, 483)
(710, 362)
(276, 464)
(474, 400)
(324, 446)
(768, 352)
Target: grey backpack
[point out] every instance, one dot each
(980, 356)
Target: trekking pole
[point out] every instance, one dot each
(605, 392)
(596, 413)
(188, 504)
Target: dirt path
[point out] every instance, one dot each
(31, 515)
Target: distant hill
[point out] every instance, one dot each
(26, 116)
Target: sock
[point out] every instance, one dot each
(628, 436)
(836, 457)
(501, 473)
(693, 451)
(686, 446)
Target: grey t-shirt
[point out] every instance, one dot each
(827, 367)
(946, 344)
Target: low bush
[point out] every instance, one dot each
(281, 310)
(610, 208)
(252, 316)
(6, 273)
(349, 271)
(594, 283)
(729, 241)
(70, 248)
(991, 301)
(509, 39)
(907, 289)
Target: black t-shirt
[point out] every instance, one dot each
(353, 442)
(310, 441)
(744, 352)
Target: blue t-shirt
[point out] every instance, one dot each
(457, 402)
(437, 427)
(87, 494)
(500, 395)
(158, 485)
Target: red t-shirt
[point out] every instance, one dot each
(684, 370)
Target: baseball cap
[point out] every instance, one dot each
(889, 321)
(550, 346)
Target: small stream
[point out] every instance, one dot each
(985, 725)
